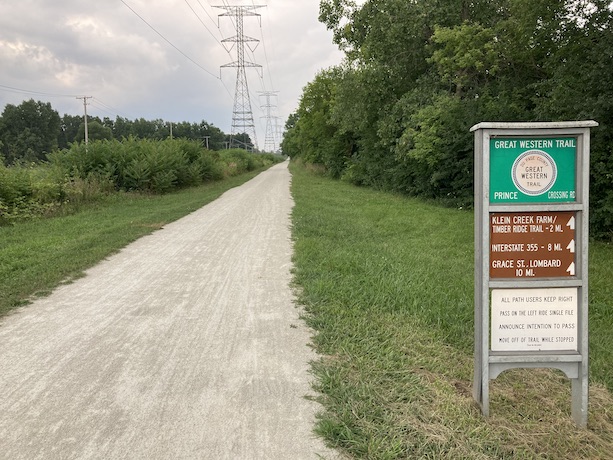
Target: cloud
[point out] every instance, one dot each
(158, 58)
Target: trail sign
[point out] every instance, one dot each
(534, 320)
(533, 170)
(531, 243)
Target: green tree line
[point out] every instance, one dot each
(33, 129)
(418, 74)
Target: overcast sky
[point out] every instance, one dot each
(56, 51)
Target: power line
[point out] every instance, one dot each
(242, 113)
(207, 13)
(272, 86)
(263, 84)
(39, 93)
(168, 41)
(94, 100)
(107, 108)
(202, 22)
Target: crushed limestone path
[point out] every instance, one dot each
(184, 345)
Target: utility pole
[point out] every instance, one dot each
(242, 115)
(85, 98)
(270, 141)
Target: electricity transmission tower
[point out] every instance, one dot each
(242, 115)
(270, 141)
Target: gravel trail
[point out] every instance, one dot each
(184, 345)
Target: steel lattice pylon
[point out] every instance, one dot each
(270, 141)
(242, 115)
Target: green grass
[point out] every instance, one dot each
(387, 284)
(601, 313)
(37, 255)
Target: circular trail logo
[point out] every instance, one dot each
(534, 172)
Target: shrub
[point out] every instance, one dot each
(82, 174)
(27, 192)
(146, 165)
(14, 184)
(209, 165)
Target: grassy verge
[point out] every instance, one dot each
(37, 255)
(387, 284)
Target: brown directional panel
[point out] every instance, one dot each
(532, 244)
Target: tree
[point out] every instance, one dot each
(122, 128)
(217, 138)
(581, 87)
(311, 133)
(29, 131)
(96, 131)
(241, 141)
(69, 129)
(417, 75)
(290, 143)
(144, 129)
(183, 130)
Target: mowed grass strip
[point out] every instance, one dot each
(38, 255)
(387, 285)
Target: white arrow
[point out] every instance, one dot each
(571, 223)
(571, 269)
(571, 246)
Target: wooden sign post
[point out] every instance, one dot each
(531, 247)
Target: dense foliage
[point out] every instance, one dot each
(28, 131)
(46, 168)
(80, 175)
(418, 74)
(33, 129)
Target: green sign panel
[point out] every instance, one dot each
(532, 170)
